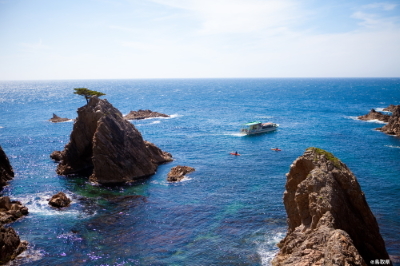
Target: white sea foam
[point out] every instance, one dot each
(392, 146)
(155, 122)
(39, 204)
(376, 121)
(351, 117)
(29, 255)
(268, 249)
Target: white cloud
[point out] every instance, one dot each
(383, 6)
(34, 46)
(237, 16)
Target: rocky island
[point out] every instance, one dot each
(329, 220)
(57, 119)
(107, 147)
(177, 173)
(374, 115)
(143, 114)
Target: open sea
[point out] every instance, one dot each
(230, 210)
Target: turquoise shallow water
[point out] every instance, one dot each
(228, 212)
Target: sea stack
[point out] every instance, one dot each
(6, 171)
(393, 125)
(107, 147)
(329, 220)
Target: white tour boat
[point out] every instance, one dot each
(258, 127)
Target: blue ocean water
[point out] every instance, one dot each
(228, 212)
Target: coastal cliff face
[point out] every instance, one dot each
(107, 147)
(393, 126)
(6, 171)
(329, 220)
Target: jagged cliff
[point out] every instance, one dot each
(393, 126)
(329, 220)
(107, 147)
(6, 171)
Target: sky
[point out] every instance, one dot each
(135, 39)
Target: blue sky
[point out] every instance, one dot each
(114, 39)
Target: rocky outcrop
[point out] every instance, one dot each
(177, 173)
(57, 119)
(59, 200)
(374, 115)
(393, 125)
(11, 210)
(143, 114)
(6, 171)
(329, 220)
(10, 244)
(56, 156)
(107, 147)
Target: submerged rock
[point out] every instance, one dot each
(329, 220)
(10, 244)
(6, 171)
(177, 173)
(143, 114)
(374, 115)
(57, 119)
(59, 200)
(11, 210)
(393, 125)
(107, 147)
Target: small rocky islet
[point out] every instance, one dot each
(393, 121)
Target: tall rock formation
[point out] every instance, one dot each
(107, 147)
(329, 220)
(6, 171)
(393, 125)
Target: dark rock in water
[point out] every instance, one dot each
(390, 108)
(177, 173)
(57, 119)
(107, 147)
(6, 171)
(329, 220)
(374, 115)
(143, 114)
(393, 125)
(59, 200)
(10, 244)
(11, 210)
(56, 156)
